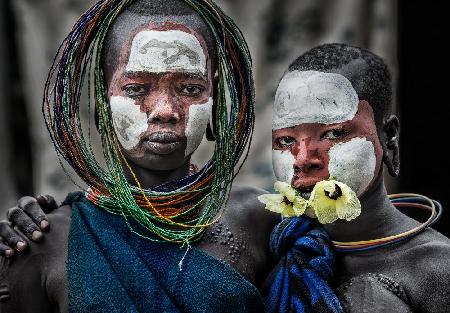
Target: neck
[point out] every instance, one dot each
(379, 218)
(152, 178)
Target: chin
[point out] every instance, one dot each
(157, 162)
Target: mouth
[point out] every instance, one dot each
(305, 185)
(305, 192)
(162, 143)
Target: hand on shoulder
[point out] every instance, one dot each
(26, 218)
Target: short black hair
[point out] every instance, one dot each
(367, 72)
(141, 12)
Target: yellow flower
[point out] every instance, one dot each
(332, 200)
(287, 202)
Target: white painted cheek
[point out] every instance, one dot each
(199, 115)
(128, 120)
(283, 165)
(166, 51)
(313, 97)
(353, 163)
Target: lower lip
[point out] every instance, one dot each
(305, 182)
(162, 148)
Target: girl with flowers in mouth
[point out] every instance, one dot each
(332, 132)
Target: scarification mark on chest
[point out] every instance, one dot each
(222, 235)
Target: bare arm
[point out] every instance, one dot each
(430, 283)
(36, 281)
(21, 285)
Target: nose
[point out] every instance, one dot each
(307, 157)
(161, 109)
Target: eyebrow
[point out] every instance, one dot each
(196, 76)
(202, 77)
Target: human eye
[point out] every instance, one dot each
(135, 90)
(285, 142)
(191, 90)
(335, 133)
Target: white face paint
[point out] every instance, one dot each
(283, 165)
(128, 120)
(199, 115)
(160, 52)
(166, 51)
(353, 163)
(313, 97)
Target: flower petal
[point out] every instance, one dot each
(288, 211)
(280, 186)
(328, 185)
(274, 203)
(299, 206)
(348, 206)
(286, 190)
(323, 206)
(326, 215)
(270, 198)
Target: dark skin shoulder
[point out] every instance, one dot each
(241, 236)
(421, 266)
(430, 278)
(36, 280)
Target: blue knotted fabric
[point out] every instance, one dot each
(301, 280)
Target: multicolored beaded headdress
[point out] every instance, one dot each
(190, 203)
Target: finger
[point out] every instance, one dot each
(24, 223)
(6, 251)
(33, 209)
(11, 237)
(47, 203)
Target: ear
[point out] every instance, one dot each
(389, 138)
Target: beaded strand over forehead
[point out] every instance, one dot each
(191, 203)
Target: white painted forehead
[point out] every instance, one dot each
(166, 51)
(313, 97)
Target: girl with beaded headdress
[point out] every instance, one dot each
(152, 233)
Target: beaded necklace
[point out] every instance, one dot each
(398, 200)
(190, 203)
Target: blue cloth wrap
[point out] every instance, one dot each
(301, 281)
(111, 270)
